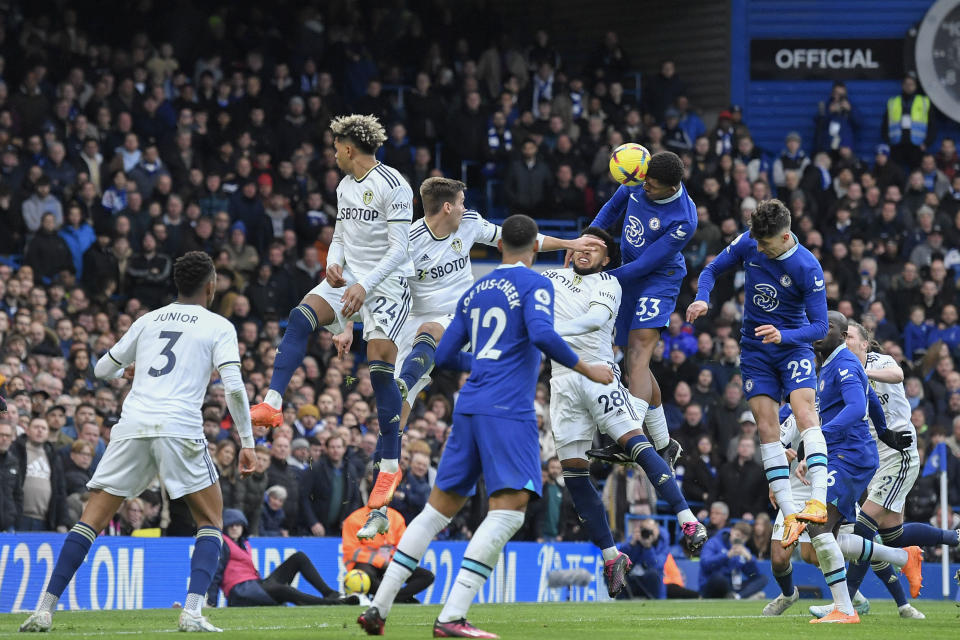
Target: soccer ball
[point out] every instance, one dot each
(356, 581)
(628, 164)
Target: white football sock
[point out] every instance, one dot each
(194, 604)
(834, 570)
(48, 602)
(413, 544)
(479, 559)
(274, 399)
(390, 465)
(816, 452)
(862, 550)
(777, 470)
(655, 422)
(610, 553)
(686, 516)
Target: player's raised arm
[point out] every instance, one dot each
(815, 302)
(119, 356)
(613, 208)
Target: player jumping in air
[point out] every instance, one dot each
(507, 318)
(659, 220)
(367, 267)
(440, 245)
(882, 512)
(843, 401)
(587, 301)
(175, 348)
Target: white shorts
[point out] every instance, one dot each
(384, 310)
(408, 333)
(894, 478)
(579, 407)
(129, 466)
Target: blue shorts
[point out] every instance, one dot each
(846, 483)
(647, 305)
(505, 451)
(776, 371)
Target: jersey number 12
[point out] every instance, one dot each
(494, 316)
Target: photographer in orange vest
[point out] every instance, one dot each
(372, 556)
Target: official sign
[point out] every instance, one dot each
(819, 59)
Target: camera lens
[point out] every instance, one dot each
(646, 533)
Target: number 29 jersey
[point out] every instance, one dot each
(176, 349)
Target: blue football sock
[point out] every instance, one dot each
(589, 506)
(388, 407)
(74, 550)
(300, 324)
(206, 557)
(891, 581)
(866, 528)
(785, 580)
(419, 361)
(643, 453)
(919, 534)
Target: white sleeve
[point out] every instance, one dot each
(335, 250)
(607, 295)
(595, 318)
(238, 403)
(121, 355)
(399, 205)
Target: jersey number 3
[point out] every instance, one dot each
(171, 337)
(494, 316)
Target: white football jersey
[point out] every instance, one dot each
(790, 439)
(896, 407)
(365, 208)
(442, 265)
(176, 349)
(573, 296)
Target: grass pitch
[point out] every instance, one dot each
(705, 619)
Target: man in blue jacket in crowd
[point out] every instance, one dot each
(726, 565)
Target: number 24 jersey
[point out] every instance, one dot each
(176, 349)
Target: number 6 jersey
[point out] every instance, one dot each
(176, 349)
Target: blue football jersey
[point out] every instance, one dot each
(502, 316)
(842, 397)
(654, 231)
(787, 292)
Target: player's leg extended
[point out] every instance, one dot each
(832, 565)
(312, 313)
(206, 507)
(775, 465)
(640, 346)
(866, 527)
(803, 404)
(420, 359)
(440, 509)
(382, 354)
(504, 519)
(98, 512)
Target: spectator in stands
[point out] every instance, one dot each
(700, 472)
(11, 492)
(908, 124)
(837, 122)
(792, 158)
(329, 491)
(76, 467)
(41, 480)
(648, 553)
(741, 483)
(528, 182)
(272, 516)
(727, 568)
(282, 473)
(662, 91)
(411, 496)
(40, 203)
(129, 518)
(719, 515)
(48, 254)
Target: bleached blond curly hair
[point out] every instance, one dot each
(364, 131)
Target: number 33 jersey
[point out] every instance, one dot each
(176, 349)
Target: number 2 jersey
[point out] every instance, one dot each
(574, 295)
(176, 349)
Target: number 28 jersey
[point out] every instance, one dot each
(175, 348)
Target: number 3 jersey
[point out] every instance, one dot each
(574, 295)
(176, 349)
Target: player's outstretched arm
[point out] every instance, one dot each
(893, 439)
(549, 243)
(613, 208)
(594, 319)
(891, 374)
(728, 259)
(672, 242)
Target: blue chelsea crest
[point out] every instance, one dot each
(654, 224)
(785, 280)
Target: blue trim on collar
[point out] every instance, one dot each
(792, 250)
(834, 354)
(673, 197)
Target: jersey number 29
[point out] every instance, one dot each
(494, 316)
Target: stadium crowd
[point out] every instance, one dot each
(118, 157)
